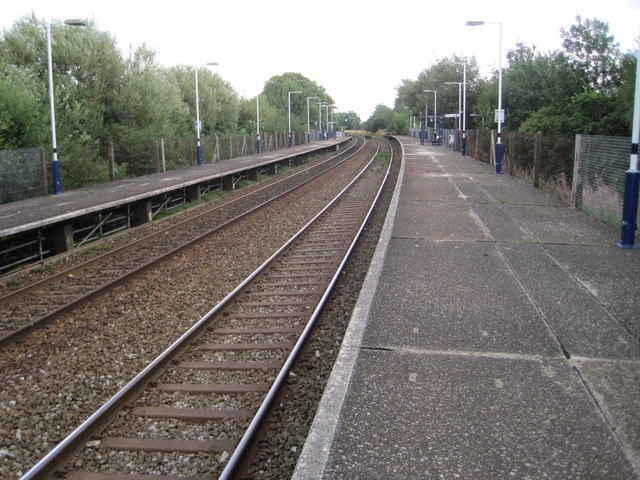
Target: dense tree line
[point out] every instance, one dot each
(103, 96)
(585, 88)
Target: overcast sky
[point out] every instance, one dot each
(360, 51)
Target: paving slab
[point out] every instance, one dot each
(616, 387)
(454, 296)
(425, 415)
(497, 335)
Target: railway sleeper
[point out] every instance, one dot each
(168, 445)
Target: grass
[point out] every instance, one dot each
(95, 250)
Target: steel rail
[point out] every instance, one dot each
(232, 470)
(57, 457)
(43, 320)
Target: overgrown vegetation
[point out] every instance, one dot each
(103, 98)
(584, 88)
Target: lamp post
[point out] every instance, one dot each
(499, 113)
(320, 104)
(632, 176)
(409, 115)
(332, 123)
(258, 122)
(198, 124)
(308, 122)
(289, 98)
(55, 165)
(326, 112)
(435, 112)
(460, 113)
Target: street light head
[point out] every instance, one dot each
(474, 23)
(75, 22)
(212, 64)
(296, 91)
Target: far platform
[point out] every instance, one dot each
(41, 211)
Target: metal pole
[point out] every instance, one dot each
(320, 120)
(289, 97)
(632, 176)
(499, 140)
(198, 149)
(326, 115)
(426, 122)
(258, 121)
(57, 187)
(459, 111)
(475, 23)
(289, 110)
(308, 120)
(435, 113)
(464, 109)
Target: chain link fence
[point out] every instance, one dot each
(598, 176)
(586, 171)
(22, 174)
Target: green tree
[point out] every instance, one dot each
(412, 93)
(150, 107)
(83, 60)
(275, 93)
(382, 118)
(219, 103)
(21, 112)
(349, 120)
(593, 53)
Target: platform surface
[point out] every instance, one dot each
(496, 337)
(37, 212)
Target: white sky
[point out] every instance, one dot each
(358, 50)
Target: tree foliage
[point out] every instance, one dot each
(103, 97)
(593, 54)
(587, 87)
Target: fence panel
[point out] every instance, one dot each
(599, 171)
(22, 174)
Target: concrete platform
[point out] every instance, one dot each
(496, 336)
(38, 212)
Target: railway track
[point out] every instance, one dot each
(198, 409)
(39, 303)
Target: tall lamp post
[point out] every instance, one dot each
(435, 112)
(55, 165)
(258, 122)
(632, 176)
(332, 123)
(320, 105)
(460, 112)
(198, 124)
(289, 98)
(326, 111)
(499, 113)
(308, 121)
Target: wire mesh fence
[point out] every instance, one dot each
(22, 174)
(586, 171)
(599, 174)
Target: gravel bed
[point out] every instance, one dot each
(58, 376)
(280, 448)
